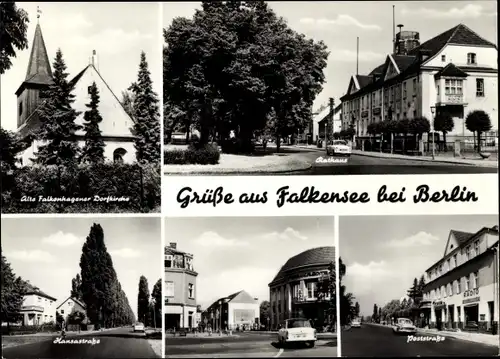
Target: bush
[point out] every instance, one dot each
(195, 154)
(139, 183)
(237, 146)
(29, 329)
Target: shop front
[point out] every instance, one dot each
(439, 314)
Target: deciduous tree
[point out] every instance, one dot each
(12, 33)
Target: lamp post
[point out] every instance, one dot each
(433, 111)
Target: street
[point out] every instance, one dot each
(247, 344)
(364, 165)
(373, 340)
(114, 343)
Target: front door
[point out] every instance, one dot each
(451, 316)
(439, 319)
(491, 310)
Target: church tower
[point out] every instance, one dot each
(38, 77)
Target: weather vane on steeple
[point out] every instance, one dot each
(38, 12)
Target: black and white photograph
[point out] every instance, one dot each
(81, 288)
(417, 286)
(80, 107)
(250, 287)
(330, 88)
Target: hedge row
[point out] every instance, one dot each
(204, 155)
(28, 329)
(93, 189)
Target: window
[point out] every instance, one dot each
(467, 283)
(467, 252)
(432, 294)
(168, 261)
(89, 90)
(450, 290)
(311, 290)
(459, 287)
(404, 90)
(169, 289)
(448, 264)
(191, 290)
(454, 261)
(479, 87)
(475, 279)
(443, 291)
(62, 311)
(471, 58)
(414, 87)
(476, 247)
(443, 58)
(438, 90)
(453, 87)
(20, 108)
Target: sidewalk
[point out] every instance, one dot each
(490, 163)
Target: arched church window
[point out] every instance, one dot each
(118, 155)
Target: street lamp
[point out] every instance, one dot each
(433, 111)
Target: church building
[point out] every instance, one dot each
(116, 123)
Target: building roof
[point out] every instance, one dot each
(74, 300)
(39, 71)
(364, 80)
(228, 298)
(32, 290)
(311, 257)
(461, 237)
(451, 70)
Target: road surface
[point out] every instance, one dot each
(364, 165)
(378, 341)
(255, 345)
(115, 343)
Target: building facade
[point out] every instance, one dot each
(116, 123)
(69, 306)
(298, 288)
(180, 289)
(455, 72)
(38, 308)
(237, 311)
(462, 290)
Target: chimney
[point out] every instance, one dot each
(94, 60)
(495, 228)
(173, 245)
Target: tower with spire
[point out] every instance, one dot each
(38, 77)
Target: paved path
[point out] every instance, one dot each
(116, 343)
(253, 345)
(380, 341)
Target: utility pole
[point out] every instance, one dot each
(330, 119)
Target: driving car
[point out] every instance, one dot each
(297, 330)
(404, 326)
(139, 327)
(338, 147)
(356, 323)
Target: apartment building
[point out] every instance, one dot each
(462, 290)
(38, 307)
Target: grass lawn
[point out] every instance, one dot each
(15, 340)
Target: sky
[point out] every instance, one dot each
(338, 23)
(383, 254)
(117, 31)
(244, 253)
(47, 251)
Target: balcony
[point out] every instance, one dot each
(32, 308)
(425, 304)
(456, 99)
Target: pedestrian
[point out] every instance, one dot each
(63, 328)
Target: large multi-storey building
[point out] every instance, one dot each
(455, 72)
(38, 307)
(238, 310)
(180, 289)
(462, 290)
(296, 291)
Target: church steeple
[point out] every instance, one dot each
(38, 77)
(39, 70)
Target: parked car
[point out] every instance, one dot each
(297, 330)
(356, 323)
(404, 326)
(338, 147)
(139, 327)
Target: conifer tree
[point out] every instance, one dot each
(13, 289)
(143, 300)
(93, 151)
(58, 127)
(146, 113)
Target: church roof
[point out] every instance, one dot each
(39, 71)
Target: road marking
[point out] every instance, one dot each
(279, 353)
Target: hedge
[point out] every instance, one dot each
(87, 185)
(28, 329)
(201, 155)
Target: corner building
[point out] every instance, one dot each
(462, 290)
(455, 71)
(180, 289)
(294, 290)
